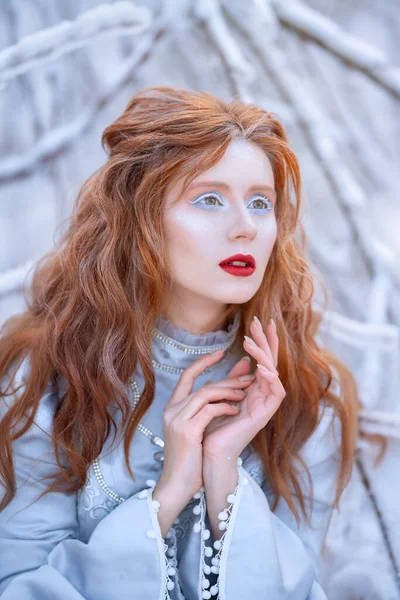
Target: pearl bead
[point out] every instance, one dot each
(217, 545)
(215, 561)
(170, 585)
(171, 571)
(168, 534)
(231, 498)
(214, 590)
(206, 594)
(245, 481)
(207, 569)
(151, 533)
(222, 525)
(171, 551)
(197, 509)
(208, 551)
(205, 583)
(206, 534)
(142, 494)
(150, 482)
(239, 462)
(197, 495)
(196, 527)
(215, 569)
(223, 515)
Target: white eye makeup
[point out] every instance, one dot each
(201, 202)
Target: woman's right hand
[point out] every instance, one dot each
(185, 418)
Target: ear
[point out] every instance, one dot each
(242, 367)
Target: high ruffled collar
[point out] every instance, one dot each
(177, 347)
(183, 336)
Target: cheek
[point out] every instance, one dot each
(268, 232)
(189, 235)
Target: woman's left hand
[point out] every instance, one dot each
(227, 436)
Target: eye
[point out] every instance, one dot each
(264, 203)
(208, 199)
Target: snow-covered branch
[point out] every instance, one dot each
(358, 53)
(121, 18)
(60, 137)
(239, 70)
(13, 279)
(383, 423)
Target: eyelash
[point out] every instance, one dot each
(216, 195)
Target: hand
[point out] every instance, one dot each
(185, 417)
(227, 436)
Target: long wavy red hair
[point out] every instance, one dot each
(94, 298)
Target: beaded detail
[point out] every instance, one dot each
(108, 491)
(169, 551)
(179, 370)
(205, 551)
(188, 349)
(88, 497)
(224, 518)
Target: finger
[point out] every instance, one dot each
(232, 382)
(259, 355)
(242, 367)
(206, 396)
(186, 381)
(275, 383)
(209, 412)
(271, 404)
(273, 341)
(261, 339)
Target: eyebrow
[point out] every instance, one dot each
(225, 186)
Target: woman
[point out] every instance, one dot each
(232, 461)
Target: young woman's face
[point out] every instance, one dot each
(228, 209)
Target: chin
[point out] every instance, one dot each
(238, 297)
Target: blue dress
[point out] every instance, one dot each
(104, 542)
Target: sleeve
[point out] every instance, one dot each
(264, 554)
(41, 555)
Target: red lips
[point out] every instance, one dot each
(247, 258)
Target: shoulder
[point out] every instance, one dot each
(47, 404)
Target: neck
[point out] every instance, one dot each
(196, 317)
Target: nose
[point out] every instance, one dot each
(243, 224)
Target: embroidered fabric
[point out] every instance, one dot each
(88, 495)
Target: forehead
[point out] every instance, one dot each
(244, 162)
(243, 166)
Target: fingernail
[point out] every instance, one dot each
(273, 322)
(258, 323)
(246, 358)
(262, 367)
(248, 377)
(241, 392)
(252, 342)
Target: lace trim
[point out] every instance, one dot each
(205, 551)
(167, 553)
(227, 515)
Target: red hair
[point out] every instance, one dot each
(95, 296)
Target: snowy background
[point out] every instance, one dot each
(330, 70)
